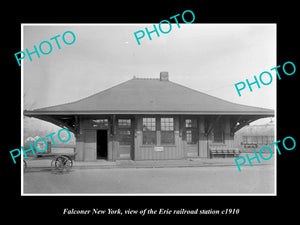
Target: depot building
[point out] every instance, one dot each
(151, 119)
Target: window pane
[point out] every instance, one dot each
(100, 123)
(167, 137)
(190, 123)
(167, 124)
(124, 123)
(149, 124)
(149, 131)
(191, 136)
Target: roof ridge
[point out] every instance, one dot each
(144, 78)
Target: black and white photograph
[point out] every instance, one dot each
(171, 109)
(145, 111)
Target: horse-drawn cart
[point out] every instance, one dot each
(60, 160)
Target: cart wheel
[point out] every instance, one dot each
(59, 162)
(63, 162)
(68, 162)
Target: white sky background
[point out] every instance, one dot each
(209, 58)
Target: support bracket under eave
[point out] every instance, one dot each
(59, 122)
(242, 121)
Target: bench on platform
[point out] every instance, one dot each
(218, 151)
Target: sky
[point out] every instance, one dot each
(209, 58)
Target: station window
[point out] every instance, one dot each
(100, 123)
(191, 132)
(124, 123)
(190, 123)
(167, 130)
(149, 131)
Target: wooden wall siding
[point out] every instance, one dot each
(124, 151)
(191, 150)
(202, 138)
(229, 142)
(90, 145)
(86, 141)
(79, 150)
(203, 146)
(113, 150)
(79, 143)
(144, 152)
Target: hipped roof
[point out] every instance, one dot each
(151, 96)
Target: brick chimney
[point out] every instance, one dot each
(164, 76)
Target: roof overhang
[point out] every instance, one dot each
(41, 113)
(69, 119)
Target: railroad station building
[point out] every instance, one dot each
(151, 119)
